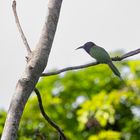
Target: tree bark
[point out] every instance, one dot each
(36, 64)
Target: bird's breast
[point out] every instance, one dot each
(100, 55)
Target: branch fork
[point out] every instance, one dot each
(37, 61)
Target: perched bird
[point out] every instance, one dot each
(100, 54)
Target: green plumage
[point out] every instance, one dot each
(101, 55)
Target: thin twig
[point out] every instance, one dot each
(46, 116)
(20, 29)
(131, 53)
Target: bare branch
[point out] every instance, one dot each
(33, 70)
(20, 29)
(69, 68)
(46, 116)
(131, 53)
(36, 90)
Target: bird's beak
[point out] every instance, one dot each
(81, 47)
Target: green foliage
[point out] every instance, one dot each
(89, 104)
(2, 120)
(106, 135)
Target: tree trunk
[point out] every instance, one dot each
(34, 68)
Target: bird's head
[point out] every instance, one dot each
(87, 46)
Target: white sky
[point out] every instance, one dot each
(112, 24)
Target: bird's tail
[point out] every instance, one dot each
(114, 69)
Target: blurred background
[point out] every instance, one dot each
(89, 104)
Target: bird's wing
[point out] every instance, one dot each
(100, 54)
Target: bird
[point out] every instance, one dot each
(101, 56)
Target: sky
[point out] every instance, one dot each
(112, 24)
